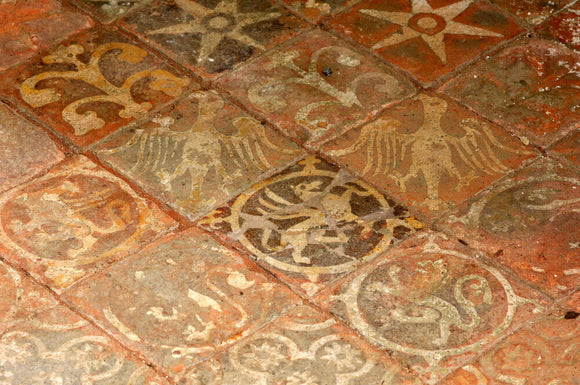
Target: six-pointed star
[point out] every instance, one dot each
(428, 23)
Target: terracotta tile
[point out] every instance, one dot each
(316, 86)
(531, 87)
(315, 10)
(92, 85)
(198, 153)
(302, 347)
(312, 223)
(528, 222)
(569, 149)
(432, 303)
(533, 11)
(25, 150)
(566, 26)
(29, 27)
(544, 353)
(430, 152)
(572, 304)
(109, 10)
(57, 347)
(181, 299)
(74, 220)
(427, 39)
(213, 36)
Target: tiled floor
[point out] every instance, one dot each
(289, 192)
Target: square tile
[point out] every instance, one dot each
(109, 10)
(316, 86)
(25, 150)
(93, 84)
(29, 27)
(74, 220)
(430, 152)
(316, 10)
(432, 304)
(426, 38)
(302, 347)
(530, 223)
(181, 299)
(532, 87)
(565, 26)
(312, 223)
(569, 148)
(533, 11)
(213, 36)
(198, 153)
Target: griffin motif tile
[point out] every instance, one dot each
(32, 26)
(431, 303)
(430, 152)
(57, 347)
(533, 11)
(181, 299)
(25, 150)
(544, 353)
(529, 222)
(213, 36)
(315, 10)
(569, 149)
(112, 9)
(312, 223)
(302, 347)
(532, 87)
(73, 221)
(92, 85)
(316, 86)
(427, 39)
(566, 26)
(199, 153)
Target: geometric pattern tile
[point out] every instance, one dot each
(315, 10)
(569, 148)
(198, 153)
(566, 27)
(532, 11)
(74, 220)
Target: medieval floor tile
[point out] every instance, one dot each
(566, 26)
(25, 150)
(543, 353)
(92, 85)
(569, 149)
(312, 223)
(198, 153)
(430, 152)
(532, 87)
(533, 11)
(315, 10)
(427, 39)
(74, 220)
(302, 347)
(530, 223)
(109, 10)
(182, 298)
(573, 305)
(213, 36)
(432, 303)
(31, 26)
(316, 86)
(57, 347)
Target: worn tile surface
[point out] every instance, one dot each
(566, 26)
(315, 10)
(429, 151)
(74, 220)
(533, 11)
(316, 86)
(569, 148)
(198, 153)
(109, 10)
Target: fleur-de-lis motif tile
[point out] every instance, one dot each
(316, 86)
(74, 220)
(532, 87)
(302, 347)
(182, 298)
(93, 84)
(431, 303)
(426, 38)
(530, 223)
(312, 223)
(569, 148)
(109, 10)
(198, 153)
(316, 10)
(429, 151)
(565, 26)
(213, 36)
(533, 11)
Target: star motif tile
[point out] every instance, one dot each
(427, 39)
(316, 10)
(533, 11)
(565, 26)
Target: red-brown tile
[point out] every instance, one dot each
(92, 85)
(109, 10)
(572, 304)
(74, 220)
(569, 149)
(430, 152)
(25, 150)
(529, 222)
(312, 223)
(531, 87)
(432, 303)
(427, 39)
(315, 10)
(533, 11)
(316, 86)
(182, 298)
(29, 27)
(566, 26)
